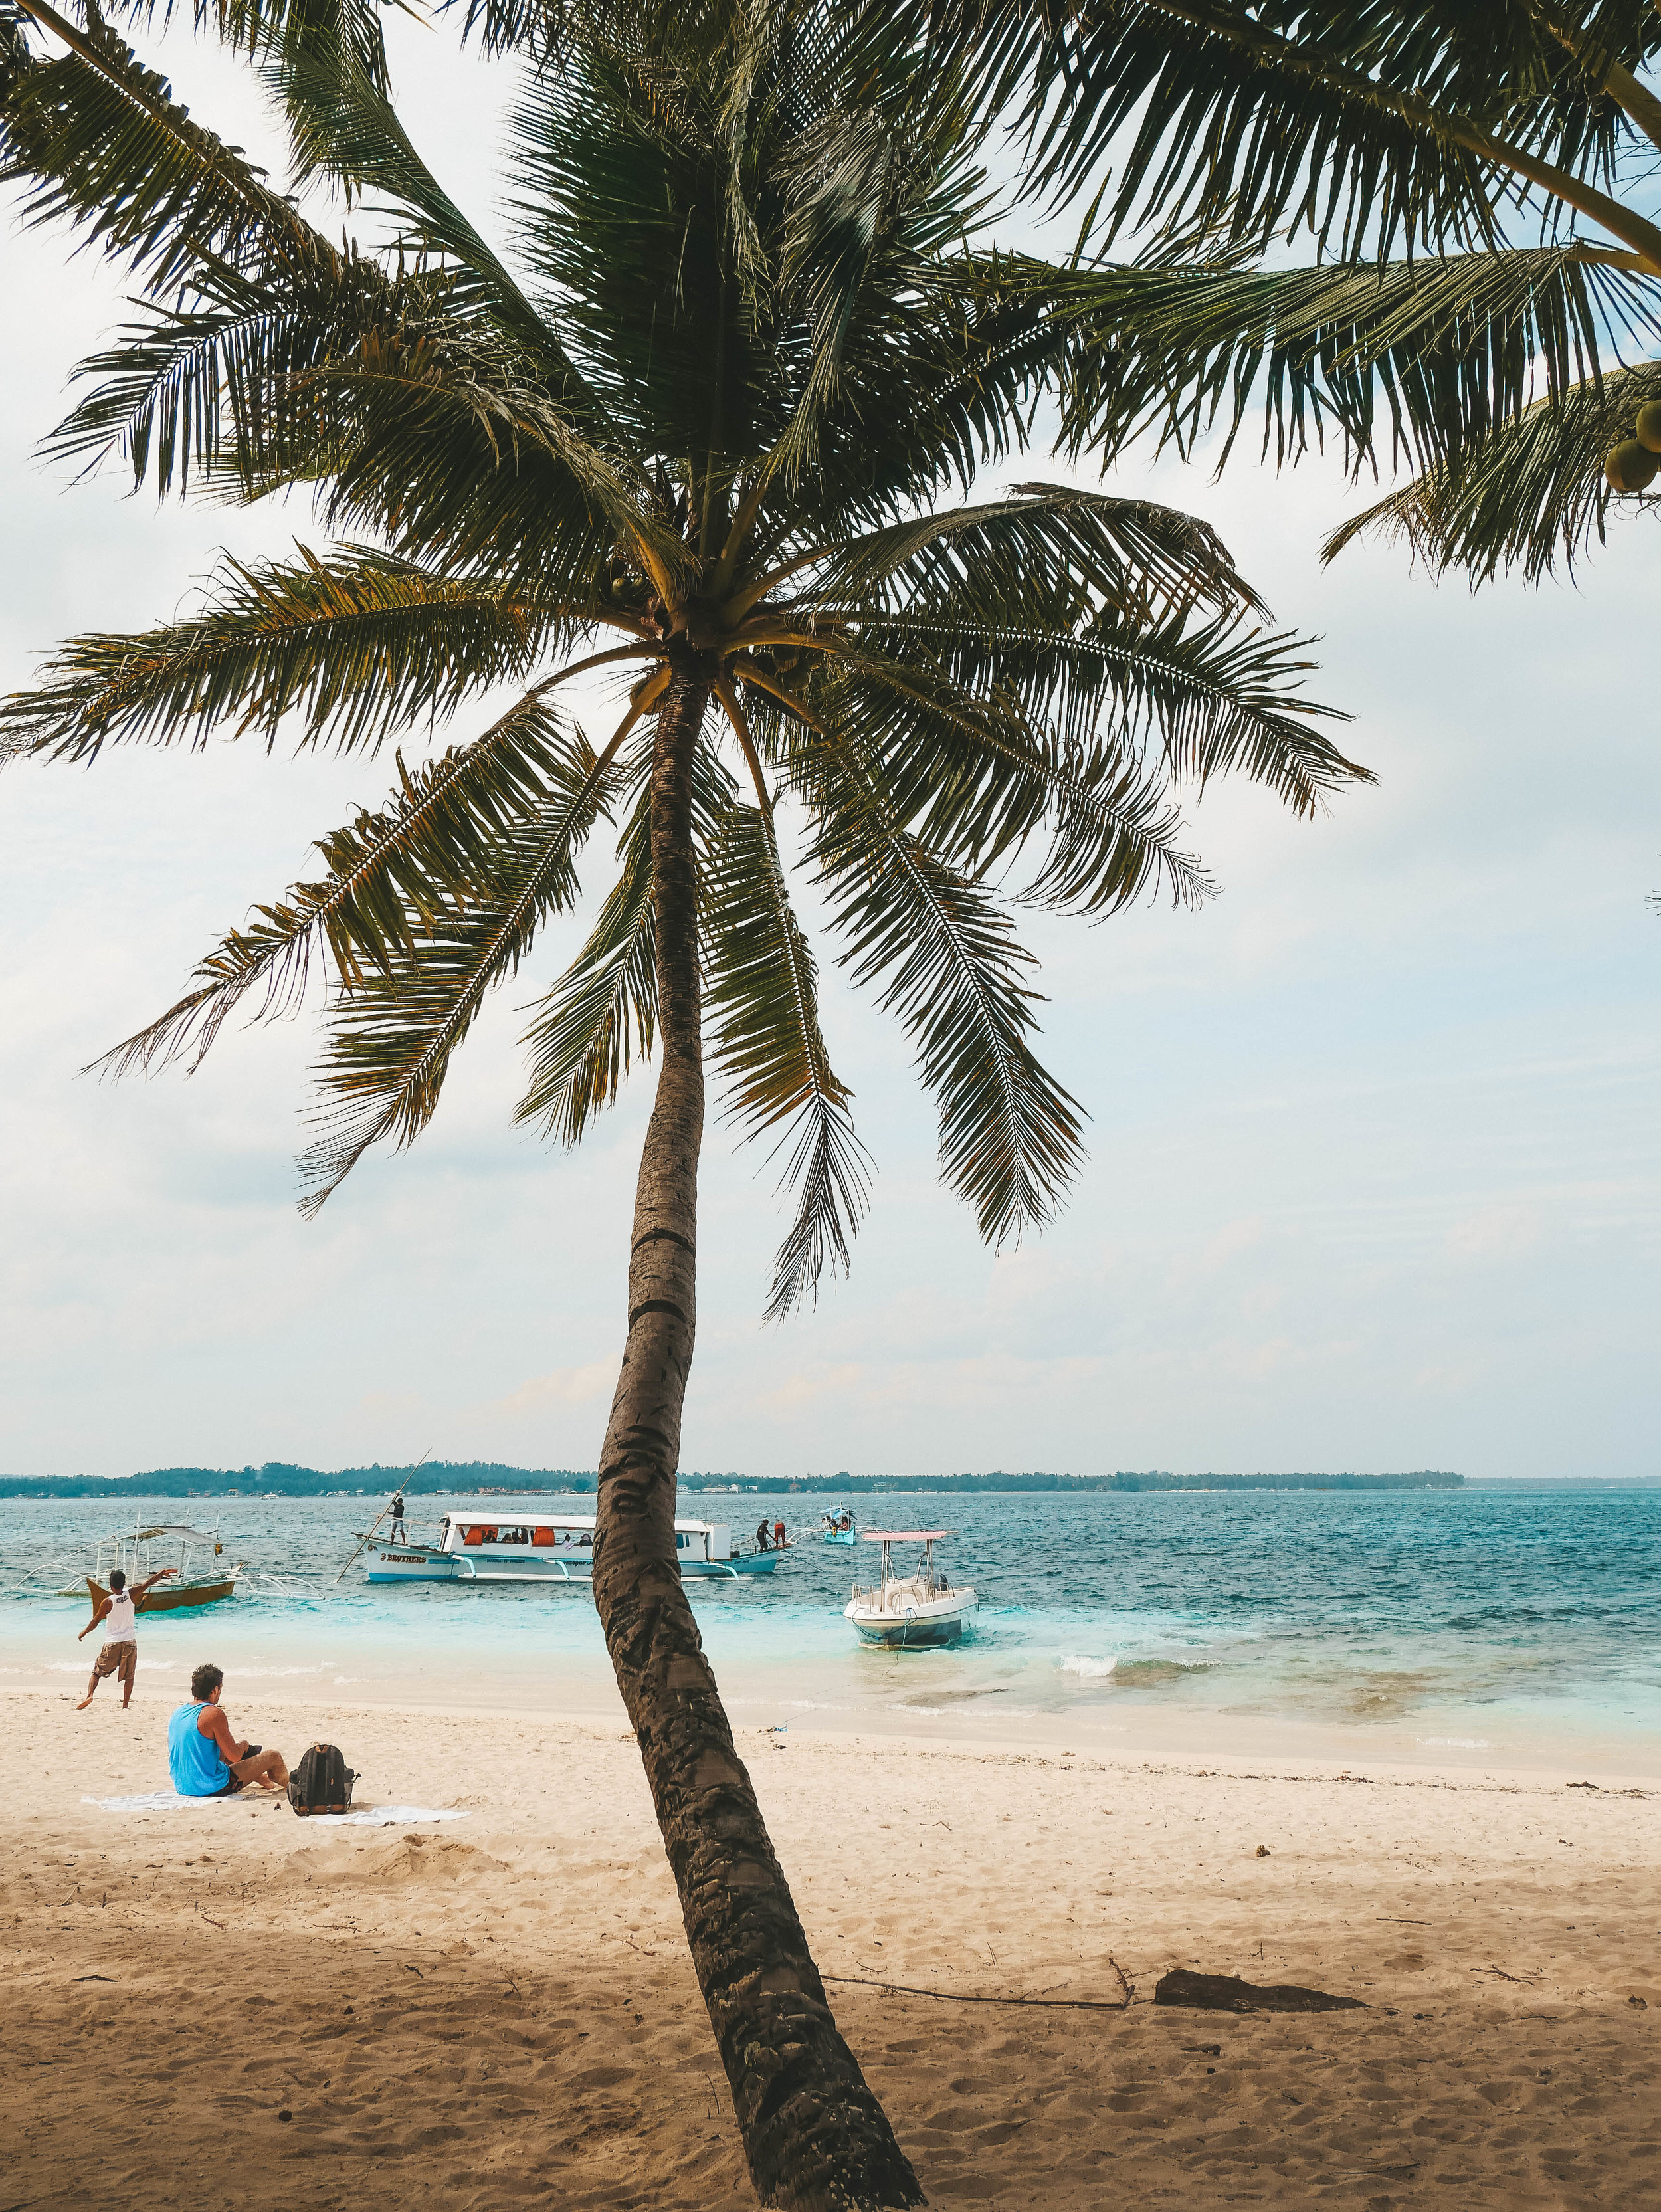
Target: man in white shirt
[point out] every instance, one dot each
(119, 1655)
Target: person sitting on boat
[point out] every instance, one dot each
(119, 1655)
(761, 1541)
(204, 1758)
(398, 1535)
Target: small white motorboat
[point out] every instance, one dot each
(840, 1528)
(907, 1612)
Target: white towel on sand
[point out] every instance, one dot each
(372, 1816)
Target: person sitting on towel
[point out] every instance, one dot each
(204, 1758)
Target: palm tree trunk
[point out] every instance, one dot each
(814, 2134)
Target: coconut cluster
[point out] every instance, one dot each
(1632, 464)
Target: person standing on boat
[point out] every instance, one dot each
(397, 1535)
(204, 1758)
(119, 1655)
(762, 1543)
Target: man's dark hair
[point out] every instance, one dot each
(117, 1582)
(205, 1682)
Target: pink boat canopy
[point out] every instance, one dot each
(905, 1535)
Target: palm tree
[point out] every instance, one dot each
(699, 442)
(1415, 147)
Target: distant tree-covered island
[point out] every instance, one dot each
(485, 1478)
(276, 1478)
(1125, 1479)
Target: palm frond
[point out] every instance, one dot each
(389, 874)
(1436, 352)
(1363, 125)
(601, 1014)
(945, 959)
(420, 426)
(354, 647)
(344, 126)
(762, 1011)
(1529, 494)
(264, 28)
(98, 141)
(1043, 546)
(991, 739)
(203, 394)
(537, 30)
(391, 1031)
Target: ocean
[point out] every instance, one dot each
(1488, 1628)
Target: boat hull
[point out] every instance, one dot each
(173, 1597)
(912, 1633)
(412, 1565)
(848, 1536)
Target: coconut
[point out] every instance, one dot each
(1629, 468)
(1649, 426)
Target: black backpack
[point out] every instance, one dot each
(322, 1782)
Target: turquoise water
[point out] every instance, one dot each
(1473, 1627)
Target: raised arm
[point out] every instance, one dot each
(139, 1590)
(98, 1612)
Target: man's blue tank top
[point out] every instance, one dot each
(193, 1760)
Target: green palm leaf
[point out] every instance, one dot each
(762, 1005)
(1365, 125)
(353, 648)
(602, 1015)
(1045, 549)
(344, 126)
(1529, 494)
(389, 876)
(946, 960)
(1433, 352)
(393, 1028)
(99, 141)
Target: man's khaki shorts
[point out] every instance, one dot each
(119, 1659)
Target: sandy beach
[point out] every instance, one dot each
(228, 2006)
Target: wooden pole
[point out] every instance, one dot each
(381, 1515)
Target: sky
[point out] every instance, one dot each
(1372, 1180)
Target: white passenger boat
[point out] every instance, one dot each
(907, 1612)
(485, 1544)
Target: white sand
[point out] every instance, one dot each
(503, 2010)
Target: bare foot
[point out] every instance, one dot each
(85, 1701)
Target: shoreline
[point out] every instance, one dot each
(1230, 1741)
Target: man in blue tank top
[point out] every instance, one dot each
(204, 1758)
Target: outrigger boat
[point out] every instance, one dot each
(908, 1612)
(489, 1546)
(137, 1557)
(840, 1528)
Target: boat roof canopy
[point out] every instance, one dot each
(190, 1535)
(905, 1535)
(489, 1515)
